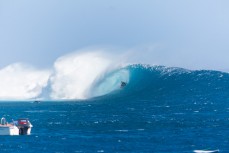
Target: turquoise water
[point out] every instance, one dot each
(160, 110)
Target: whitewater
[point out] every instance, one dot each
(73, 76)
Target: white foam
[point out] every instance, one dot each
(205, 151)
(75, 74)
(20, 81)
(78, 75)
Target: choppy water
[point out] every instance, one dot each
(160, 110)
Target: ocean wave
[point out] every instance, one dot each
(90, 75)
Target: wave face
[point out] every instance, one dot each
(159, 82)
(110, 82)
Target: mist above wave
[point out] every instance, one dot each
(73, 76)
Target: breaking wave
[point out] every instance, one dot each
(73, 76)
(96, 74)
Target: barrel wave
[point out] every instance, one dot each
(96, 74)
(145, 82)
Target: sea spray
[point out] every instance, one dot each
(74, 74)
(21, 81)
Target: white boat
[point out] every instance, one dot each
(19, 127)
(8, 129)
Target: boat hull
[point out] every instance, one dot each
(9, 130)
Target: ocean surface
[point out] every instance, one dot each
(160, 110)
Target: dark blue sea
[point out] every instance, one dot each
(161, 110)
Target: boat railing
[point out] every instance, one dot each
(3, 121)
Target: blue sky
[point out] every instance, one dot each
(190, 33)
